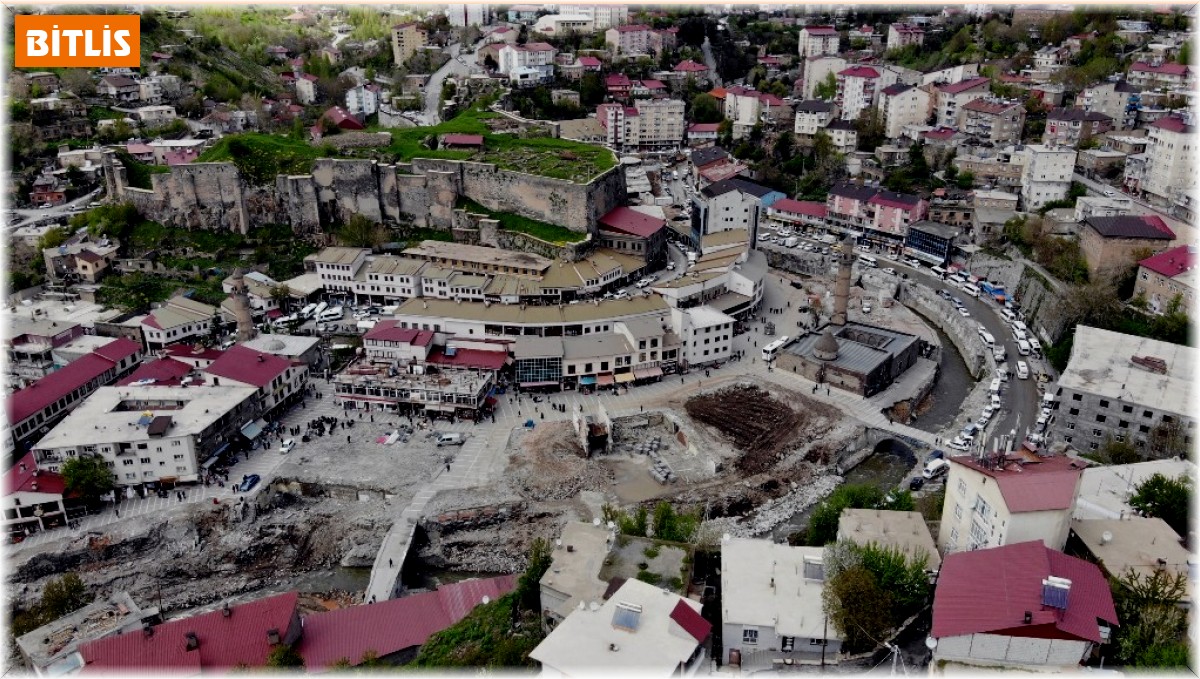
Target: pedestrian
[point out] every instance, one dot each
(447, 466)
(389, 563)
(118, 512)
(642, 408)
(826, 390)
(347, 438)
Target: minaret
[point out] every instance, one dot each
(241, 307)
(841, 289)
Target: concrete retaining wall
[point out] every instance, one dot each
(963, 331)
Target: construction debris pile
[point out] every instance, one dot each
(763, 427)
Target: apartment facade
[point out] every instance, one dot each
(817, 41)
(1046, 175)
(648, 124)
(1073, 126)
(1170, 157)
(407, 38)
(952, 97)
(993, 120)
(628, 39)
(857, 90)
(902, 105)
(1167, 276)
(903, 35)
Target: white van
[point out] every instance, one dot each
(1008, 316)
(791, 242)
(995, 387)
(868, 261)
(450, 439)
(1022, 370)
(971, 289)
(987, 338)
(935, 468)
(1023, 347)
(999, 353)
(1020, 336)
(939, 272)
(1020, 327)
(1035, 345)
(308, 311)
(320, 309)
(332, 314)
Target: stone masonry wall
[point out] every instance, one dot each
(963, 331)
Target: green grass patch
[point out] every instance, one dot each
(487, 637)
(551, 233)
(137, 173)
(260, 157)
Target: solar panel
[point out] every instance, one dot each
(627, 617)
(1055, 597)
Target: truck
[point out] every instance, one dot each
(791, 242)
(992, 290)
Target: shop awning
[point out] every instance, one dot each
(605, 380)
(444, 407)
(646, 373)
(209, 462)
(587, 380)
(221, 448)
(624, 377)
(252, 429)
(527, 385)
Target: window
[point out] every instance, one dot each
(1074, 411)
(1127, 409)
(1093, 445)
(1076, 397)
(1070, 425)
(1096, 433)
(962, 488)
(749, 636)
(1101, 418)
(1103, 403)
(127, 463)
(958, 511)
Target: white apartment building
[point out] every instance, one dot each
(648, 124)
(563, 24)
(154, 116)
(150, 433)
(952, 97)
(902, 105)
(857, 90)
(1046, 175)
(534, 55)
(818, 41)
(603, 17)
(817, 69)
(903, 35)
(1170, 161)
(1117, 100)
(811, 116)
(337, 268)
(462, 15)
(628, 39)
(178, 320)
(999, 501)
(362, 100)
(706, 334)
(306, 88)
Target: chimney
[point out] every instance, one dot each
(273, 636)
(226, 611)
(147, 630)
(193, 642)
(1028, 617)
(260, 358)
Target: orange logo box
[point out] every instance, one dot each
(78, 40)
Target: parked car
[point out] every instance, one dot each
(964, 312)
(450, 439)
(935, 469)
(916, 482)
(914, 263)
(287, 446)
(248, 482)
(935, 455)
(888, 270)
(944, 295)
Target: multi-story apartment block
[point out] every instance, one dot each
(903, 35)
(648, 124)
(337, 268)
(1073, 126)
(306, 88)
(1167, 276)
(1169, 173)
(1002, 167)
(995, 500)
(407, 38)
(953, 96)
(876, 215)
(812, 116)
(1123, 387)
(902, 105)
(1117, 100)
(993, 120)
(278, 381)
(603, 17)
(844, 136)
(817, 70)
(628, 39)
(362, 100)
(462, 15)
(1047, 174)
(746, 108)
(534, 55)
(816, 41)
(1166, 75)
(857, 90)
(151, 434)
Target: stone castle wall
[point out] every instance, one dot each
(215, 196)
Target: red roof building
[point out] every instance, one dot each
(689, 66)
(33, 498)
(161, 372)
(859, 72)
(468, 359)
(247, 366)
(1002, 499)
(787, 209)
(218, 641)
(25, 477)
(49, 399)
(389, 627)
(629, 221)
(589, 63)
(1173, 262)
(1023, 605)
(963, 85)
(390, 331)
(198, 356)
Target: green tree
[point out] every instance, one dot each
(827, 88)
(964, 181)
(872, 131)
(360, 232)
(282, 296)
(1117, 452)
(528, 591)
(706, 109)
(1185, 54)
(823, 524)
(53, 238)
(903, 578)
(284, 656)
(858, 608)
(87, 475)
(1153, 627)
(1165, 498)
(64, 595)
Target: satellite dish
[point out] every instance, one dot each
(725, 537)
(486, 599)
(930, 643)
(611, 525)
(595, 522)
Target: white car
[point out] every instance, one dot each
(958, 444)
(671, 266)
(287, 446)
(763, 236)
(963, 311)
(914, 263)
(1109, 193)
(889, 270)
(988, 412)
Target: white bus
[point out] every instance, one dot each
(320, 309)
(770, 351)
(308, 311)
(868, 261)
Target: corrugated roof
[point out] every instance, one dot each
(164, 371)
(224, 642)
(1132, 226)
(989, 591)
(1173, 262)
(632, 222)
(248, 366)
(691, 621)
(811, 208)
(390, 331)
(1047, 483)
(963, 85)
(35, 397)
(18, 480)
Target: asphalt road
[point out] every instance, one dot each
(433, 90)
(59, 211)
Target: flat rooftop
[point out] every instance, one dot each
(595, 346)
(282, 345)
(1102, 365)
(1104, 489)
(1136, 543)
(906, 531)
(438, 251)
(53, 642)
(455, 381)
(764, 582)
(77, 311)
(577, 558)
(118, 414)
